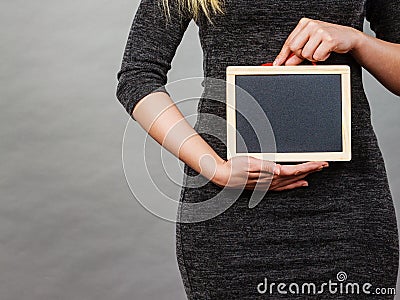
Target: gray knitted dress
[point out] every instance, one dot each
(344, 221)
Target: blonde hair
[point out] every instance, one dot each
(195, 7)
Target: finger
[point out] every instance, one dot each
(283, 55)
(287, 170)
(299, 176)
(259, 165)
(262, 186)
(305, 42)
(285, 51)
(322, 52)
(280, 183)
(297, 184)
(259, 176)
(303, 48)
(294, 61)
(311, 33)
(310, 47)
(295, 170)
(274, 169)
(277, 169)
(299, 41)
(258, 186)
(269, 167)
(276, 180)
(260, 180)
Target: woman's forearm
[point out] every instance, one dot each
(161, 118)
(380, 58)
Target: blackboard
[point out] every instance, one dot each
(307, 109)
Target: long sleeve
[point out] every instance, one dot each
(151, 46)
(384, 18)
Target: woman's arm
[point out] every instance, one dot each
(160, 117)
(380, 58)
(315, 40)
(150, 48)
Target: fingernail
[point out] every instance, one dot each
(305, 184)
(320, 168)
(297, 173)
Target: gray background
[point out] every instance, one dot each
(69, 225)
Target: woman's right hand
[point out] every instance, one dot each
(247, 171)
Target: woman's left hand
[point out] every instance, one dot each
(315, 40)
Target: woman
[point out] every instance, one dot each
(311, 226)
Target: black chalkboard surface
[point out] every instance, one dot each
(306, 112)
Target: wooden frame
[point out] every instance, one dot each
(343, 70)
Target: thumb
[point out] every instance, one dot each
(269, 166)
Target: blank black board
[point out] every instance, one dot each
(305, 111)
